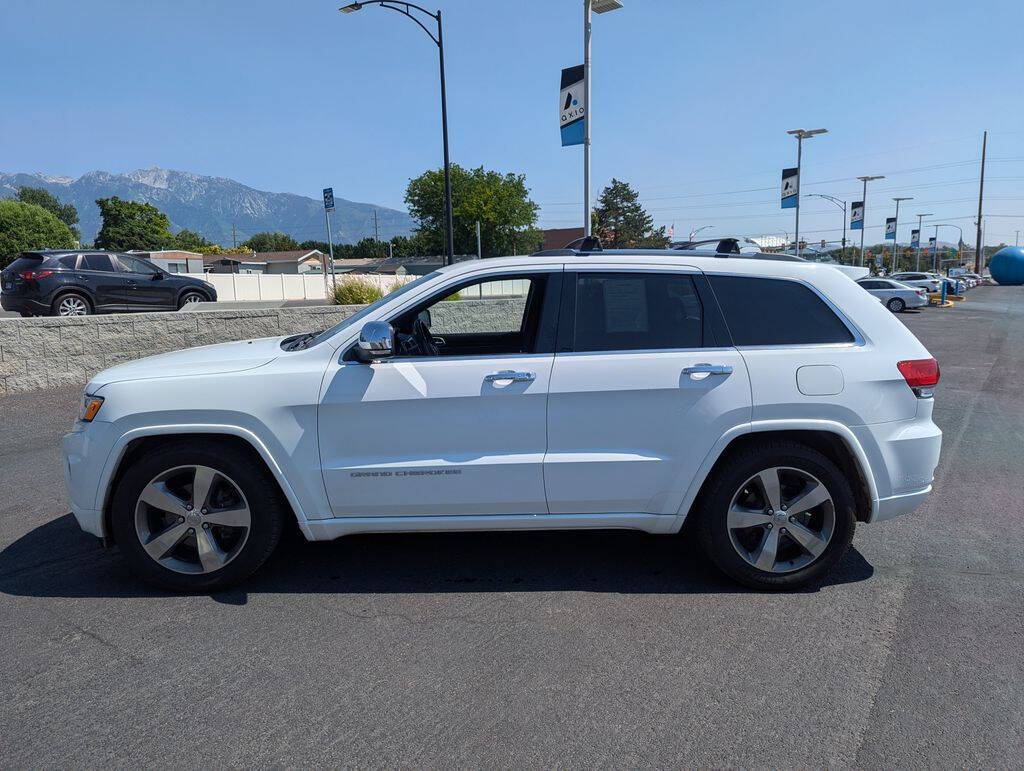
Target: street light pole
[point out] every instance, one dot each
(896, 230)
(838, 202)
(597, 6)
(801, 135)
(920, 217)
(864, 210)
(404, 8)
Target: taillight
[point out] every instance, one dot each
(921, 374)
(30, 275)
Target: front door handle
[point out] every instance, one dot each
(702, 370)
(514, 376)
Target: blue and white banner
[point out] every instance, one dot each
(931, 245)
(915, 238)
(329, 198)
(857, 215)
(572, 106)
(890, 228)
(790, 188)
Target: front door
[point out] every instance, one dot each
(454, 424)
(146, 287)
(643, 385)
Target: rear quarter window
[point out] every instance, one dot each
(769, 311)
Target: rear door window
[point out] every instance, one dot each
(770, 311)
(97, 262)
(637, 311)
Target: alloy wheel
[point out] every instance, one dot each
(781, 519)
(72, 306)
(192, 519)
(191, 298)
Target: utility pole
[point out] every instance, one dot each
(234, 238)
(896, 232)
(376, 233)
(478, 252)
(981, 195)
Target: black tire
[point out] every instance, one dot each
(266, 504)
(713, 532)
(896, 305)
(191, 297)
(77, 297)
(25, 314)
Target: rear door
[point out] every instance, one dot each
(103, 279)
(644, 383)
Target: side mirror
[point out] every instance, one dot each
(157, 276)
(376, 341)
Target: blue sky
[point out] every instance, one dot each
(691, 101)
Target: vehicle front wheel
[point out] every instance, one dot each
(71, 304)
(778, 515)
(197, 516)
(896, 305)
(191, 297)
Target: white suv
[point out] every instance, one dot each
(774, 403)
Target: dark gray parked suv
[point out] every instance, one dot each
(77, 283)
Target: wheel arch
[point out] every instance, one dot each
(188, 288)
(833, 440)
(137, 443)
(80, 291)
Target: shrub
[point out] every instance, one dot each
(355, 292)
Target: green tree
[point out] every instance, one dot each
(65, 212)
(25, 226)
(621, 222)
(190, 241)
(270, 242)
(132, 225)
(500, 202)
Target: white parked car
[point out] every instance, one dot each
(894, 295)
(927, 281)
(775, 403)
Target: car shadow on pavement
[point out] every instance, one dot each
(58, 560)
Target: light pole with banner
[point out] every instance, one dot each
(404, 9)
(895, 227)
(328, 208)
(863, 207)
(920, 218)
(597, 6)
(794, 197)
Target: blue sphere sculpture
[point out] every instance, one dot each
(1007, 266)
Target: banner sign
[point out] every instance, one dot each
(915, 238)
(857, 215)
(931, 245)
(329, 198)
(571, 106)
(890, 228)
(790, 188)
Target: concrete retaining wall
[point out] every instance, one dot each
(37, 353)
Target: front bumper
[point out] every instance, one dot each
(86, 450)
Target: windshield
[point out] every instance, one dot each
(363, 313)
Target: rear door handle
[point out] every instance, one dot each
(514, 376)
(704, 369)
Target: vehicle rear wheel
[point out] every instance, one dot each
(197, 517)
(190, 297)
(896, 305)
(71, 304)
(779, 515)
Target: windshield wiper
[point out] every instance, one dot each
(302, 341)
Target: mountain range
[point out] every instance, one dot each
(211, 206)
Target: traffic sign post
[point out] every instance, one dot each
(328, 208)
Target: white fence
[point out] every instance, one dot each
(304, 286)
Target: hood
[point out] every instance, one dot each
(204, 360)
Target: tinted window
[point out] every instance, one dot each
(135, 265)
(874, 284)
(96, 262)
(636, 311)
(25, 263)
(768, 311)
(68, 261)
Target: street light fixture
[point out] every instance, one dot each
(801, 135)
(896, 229)
(404, 9)
(597, 6)
(935, 257)
(697, 230)
(841, 204)
(920, 218)
(864, 210)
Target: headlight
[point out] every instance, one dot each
(90, 407)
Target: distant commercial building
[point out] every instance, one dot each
(174, 260)
(559, 238)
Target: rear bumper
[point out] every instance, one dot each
(917, 301)
(10, 302)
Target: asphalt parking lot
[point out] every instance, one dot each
(546, 649)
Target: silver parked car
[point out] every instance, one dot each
(894, 295)
(927, 281)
